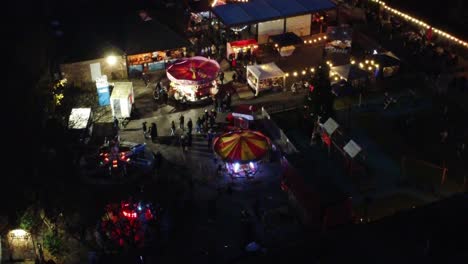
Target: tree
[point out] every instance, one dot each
(321, 98)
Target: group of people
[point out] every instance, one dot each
(151, 132)
(222, 103)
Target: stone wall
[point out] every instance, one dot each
(79, 73)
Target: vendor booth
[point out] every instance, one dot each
(122, 99)
(286, 43)
(193, 79)
(262, 77)
(389, 63)
(150, 45)
(247, 45)
(242, 150)
(350, 73)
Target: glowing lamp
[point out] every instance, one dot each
(324, 37)
(370, 68)
(312, 69)
(353, 62)
(367, 61)
(295, 73)
(18, 233)
(303, 72)
(361, 65)
(305, 41)
(310, 41)
(251, 165)
(111, 60)
(287, 74)
(236, 167)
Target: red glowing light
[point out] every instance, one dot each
(131, 215)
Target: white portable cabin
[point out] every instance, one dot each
(80, 123)
(264, 76)
(122, 99)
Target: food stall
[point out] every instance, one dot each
(265, 76)
(193, 79)
(242, 150)
(122, 99)
(233, 48)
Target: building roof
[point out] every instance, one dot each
(149, 36)
(264, 10)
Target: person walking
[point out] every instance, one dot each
(181, 121)
(189, 126)
(173, 128)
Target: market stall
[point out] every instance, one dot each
(285, 43)
(242, 150)
(193, 79)
(122, 99)
(233, 48)
(262, 77)
(389, 63)
(351, 73)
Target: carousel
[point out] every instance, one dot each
(193, 79)
(242, 151)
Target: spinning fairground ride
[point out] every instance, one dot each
(193, 79)
(242, 151)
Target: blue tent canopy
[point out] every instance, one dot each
(263, 10)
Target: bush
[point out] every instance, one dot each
(53, 243)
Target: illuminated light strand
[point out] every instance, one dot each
(238, 29)
(315, 40)
(423, 24)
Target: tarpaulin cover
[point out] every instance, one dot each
(193, 71)
(264, 10)
(241, 146)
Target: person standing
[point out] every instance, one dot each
(116, 126)
(221, 77)
(145, 129)
(154, 131)
(189, 126)
(209, 138)
(198, 125)
(173, 128)
(181, 121)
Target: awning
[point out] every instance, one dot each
(266, 71)
(243, 43)
(286, 39)
(264, 10)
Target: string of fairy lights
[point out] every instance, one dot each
(422, 24)
(366, 65)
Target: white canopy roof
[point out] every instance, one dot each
(266, 71)
(122, 90)
(79, 118)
